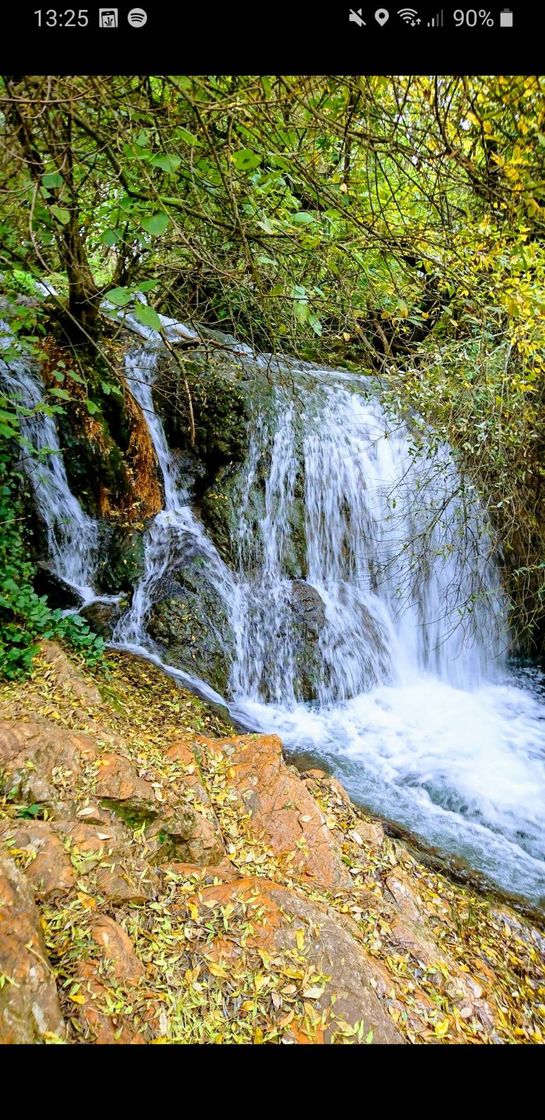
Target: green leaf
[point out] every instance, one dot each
(61, 213)
(156, 224)
(246, 160)
(303, 218)
(166, 163)
(146, 286)
(92, 408)
(188, 137)
(62, 394)
(120, 296)
(147, 316)
(52, 179)
(7, 432)
(111, 237)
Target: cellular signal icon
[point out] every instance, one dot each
(437, 21)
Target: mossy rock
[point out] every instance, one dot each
(121, 562)
(204, 410)
(189, 623)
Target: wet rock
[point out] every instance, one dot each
(215, 507)
(282, 922)
(41, 763)
(281, 810)
(204, 409)
(59, 594)
(122, 558)
(29, 1006)
(308, 605)
(190, 625)
(102, 617)
(47, 864)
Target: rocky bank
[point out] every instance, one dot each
(164, 880)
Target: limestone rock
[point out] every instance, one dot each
(180, 752)
(117, 966)
(284, 922)
(49, 871)
(183, 833)
(281, 810)
(119, 785)
(116, 948)
(130, 880)
(42, 762)
(102, 617)
(29, 1006)
(190, 625)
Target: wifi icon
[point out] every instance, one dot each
(408, 15)
(137, 17)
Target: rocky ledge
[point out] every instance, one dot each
(162, 881)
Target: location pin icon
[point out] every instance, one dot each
(382, 16)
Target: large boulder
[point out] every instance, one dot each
(29, 1006)
(121, 562)
(47, 864)
(189, 623)
(327, 982)
(102, 617)
(42, 764)
(204, 410)
(308, 620)
(279, 808)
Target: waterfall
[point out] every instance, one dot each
(395, 546)
(369, 629)
(72, 535)
(175, 535)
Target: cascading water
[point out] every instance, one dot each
(403, 688)
(72, 535)
(175, 535)
(395, 547)
(414, 707)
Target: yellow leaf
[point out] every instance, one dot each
(300, 938)
(78, 998)
(442, 1028)
(217, 970)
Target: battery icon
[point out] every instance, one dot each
(506, 17)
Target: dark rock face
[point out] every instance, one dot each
(102, 617)
(121, 558)
(308, 605)
(189, 623)
(204, 411)
(216, 509)
(308, 612)
(59, 594)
